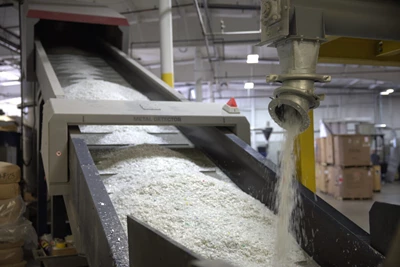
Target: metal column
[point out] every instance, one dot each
(166, 43)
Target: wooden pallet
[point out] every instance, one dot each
(353, 198)
(358, 166)
(325, 164)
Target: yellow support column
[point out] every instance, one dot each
(168, 78)
(305, 156)
(166, 42)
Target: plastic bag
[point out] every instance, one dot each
(11, 210)
(21, 230)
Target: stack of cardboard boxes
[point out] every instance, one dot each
(324, 160)
(343, 167)
(11, 209)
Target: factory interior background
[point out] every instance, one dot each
(217, 56)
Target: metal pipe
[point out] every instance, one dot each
(203, 28)
(207, 16)
(166, 43)
(270, 95)
(378, 20)
(210, 6)
(182, 15)
(234, 33)
(193, 42)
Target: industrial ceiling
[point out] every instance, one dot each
(231, 29)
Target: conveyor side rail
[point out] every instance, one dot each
(95, 225)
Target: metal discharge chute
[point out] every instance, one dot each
(297, 28)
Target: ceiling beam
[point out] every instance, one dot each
(9, 32)
(6, 5)
(9, 45)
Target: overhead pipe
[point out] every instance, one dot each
(10, 45)
(204, 31)
(9, 32)
(166, 42)
(234, 33)
(210, 6)
(192, 42)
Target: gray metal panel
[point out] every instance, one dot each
(58, 115)
(149, 247)
(274, 20)
(96, 228)
(125, 38)
(357, 18)
(49, 84)
(27, 44)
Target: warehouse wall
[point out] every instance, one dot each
(346, 106)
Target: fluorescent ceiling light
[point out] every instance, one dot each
(385, 93)
(9, 75)
(249, 85)
(380, 125)
(252, 58)
(10, 83)
(389, 91)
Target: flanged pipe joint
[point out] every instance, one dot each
(298, 61)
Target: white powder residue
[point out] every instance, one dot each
(286, 193)
(211, 217)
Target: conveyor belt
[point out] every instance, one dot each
(329, 237)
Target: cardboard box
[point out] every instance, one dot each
(317, 176)
(352, 150)
(19, 264)
(8, 245)
(11, 256)
(317, 150)
(9, 190)
(321, 177)
(63, 251)
(9, 173)
(351, 182)
(376, 170)
(331, 179)
(320, 150)
(329, 150)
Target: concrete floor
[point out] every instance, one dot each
(357, 210)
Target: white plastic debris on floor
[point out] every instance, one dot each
(211, 217)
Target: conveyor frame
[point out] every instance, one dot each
(332, 239)
(105, 244)
(58, 115)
